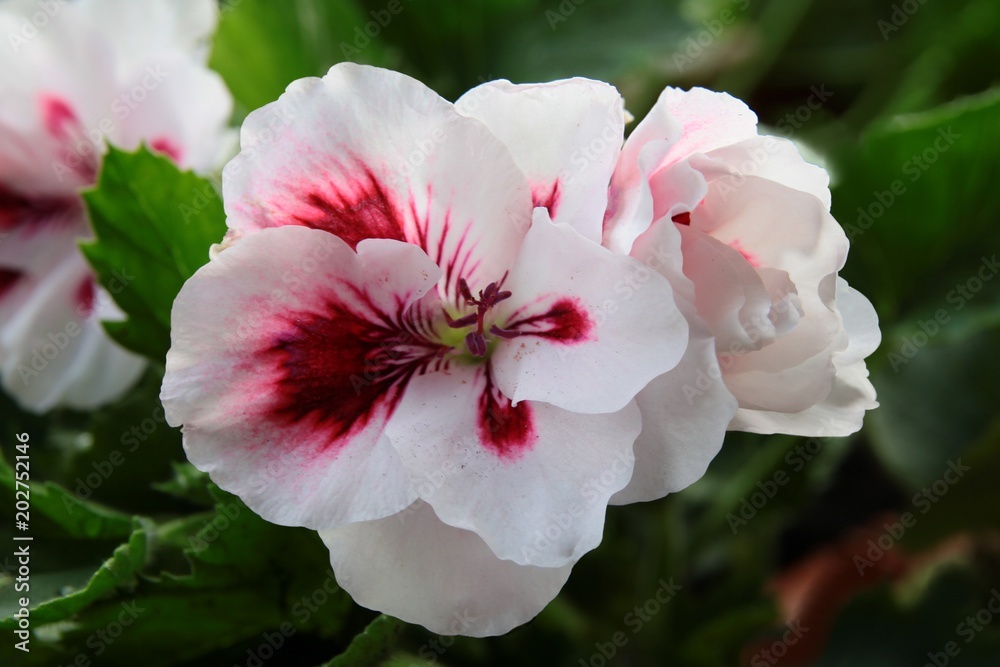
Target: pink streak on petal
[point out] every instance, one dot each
(547, 195)
(59, 118)
(78, 152)
(507, 430)
(354, 211)
(168, 147)
(747, 255)
(566, 321)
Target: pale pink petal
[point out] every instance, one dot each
(677, 190)
(630, 199)
(595, 327)
(812, 245)
(565, 136)
(842, 412)
(423, 571)
(289, 354)
(680, 125)
(369, 153)
(772, 158)
(795, 370)
(708, 120)
(531, 480)
(730, 294)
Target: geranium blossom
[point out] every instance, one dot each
(73, 77)
(752, 220)
(412, 340)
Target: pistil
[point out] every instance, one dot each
(475, 341)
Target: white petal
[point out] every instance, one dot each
(53, 351)
(56, 88)
(860, 322)
(289, 352)
(607, 323)
(143, 31)
(369, 153)
(686, 411)
(565, 136)
(532, 480)
(183, 114)
(420, 570)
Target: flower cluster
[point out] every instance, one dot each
(448, 336)
(75, 77)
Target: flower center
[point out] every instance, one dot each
(490, 296)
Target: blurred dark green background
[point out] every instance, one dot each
(773, 584)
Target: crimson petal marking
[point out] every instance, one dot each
(342, 368)
(565, 321)
(354, 211)
(9, 278)
(506, 429)
(84, 296)
(17, 210)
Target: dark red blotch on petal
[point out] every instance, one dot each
(17, 209)
(506, 429)
(566, 321)
(340, 370)
(354, 211)
(682, 218)
(84, 297)
(9, 278)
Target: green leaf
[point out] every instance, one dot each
(880, 629)
(154, 225)
(372, 646)
(118, 572)
(261, 46)
(187, 482)
(934, 405)
(615, 42)
(197, 584)
(917, 198)
(77, 518)
(966, 500)
(724, 636)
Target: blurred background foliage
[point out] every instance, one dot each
(767, 545)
